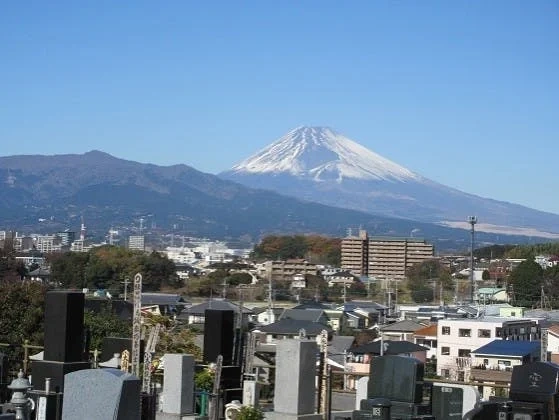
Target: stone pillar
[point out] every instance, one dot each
(251, 392)
(361, 391)
(294, 395)
(178, 384)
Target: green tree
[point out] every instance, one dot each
(21, 312)
(68, 269)
(423, 277)
(105, 324)
(527, 279)
(235, 279)
(178, 339)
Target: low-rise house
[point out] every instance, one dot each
(457, 338)
(265, 316)
(167, 303)
(400, 331)
(298, 281)
(41, 275)
(340, 278)
(363, 314)
(196, 314)
(427, 337)
(486, 295)
(493, 362)
(553, 343)
(291, 328)
(313, 315)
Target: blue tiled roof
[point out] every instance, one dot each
(509, 348)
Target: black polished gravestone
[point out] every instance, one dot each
(64, 340)
(218, 335)
(534, 388)
(113, 345)
(398, 379)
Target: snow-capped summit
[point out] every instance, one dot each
(317, 164)
(322, 154)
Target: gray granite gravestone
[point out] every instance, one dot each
(294, 395)
(95, 394)
(178, 384)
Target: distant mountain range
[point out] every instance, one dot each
(51, 193)
(321, 165)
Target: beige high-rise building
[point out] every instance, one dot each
(383, 257)
(355, 253)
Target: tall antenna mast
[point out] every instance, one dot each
(472, 220)
(82, 231)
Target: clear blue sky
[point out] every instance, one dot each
(463, 92)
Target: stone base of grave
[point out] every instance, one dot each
(167, 416)
(273, 415)
(42, 369)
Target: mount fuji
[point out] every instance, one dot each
(320, 165)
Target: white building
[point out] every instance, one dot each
(457, 338)
(181, 255)
(47, 243)
(136, 242)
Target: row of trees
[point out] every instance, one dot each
(517, 251)
(532, 286)
(314, 248)
(106, 267)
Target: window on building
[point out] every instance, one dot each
(503, 362)
(485, 361)
(484, 333)
(446, 330)
(522, 330)
(498, 332)
(445, 351)
(445, 373)
(513, 313)
(463, 353)
(463, 332)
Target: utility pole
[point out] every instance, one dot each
(472, 220)
(126, 282)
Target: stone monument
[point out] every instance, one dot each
(178, 385)
(295, 390)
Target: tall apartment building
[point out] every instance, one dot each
(383, 257)
(355, 253)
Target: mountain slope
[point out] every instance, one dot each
(318, 164)
(107, 192)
